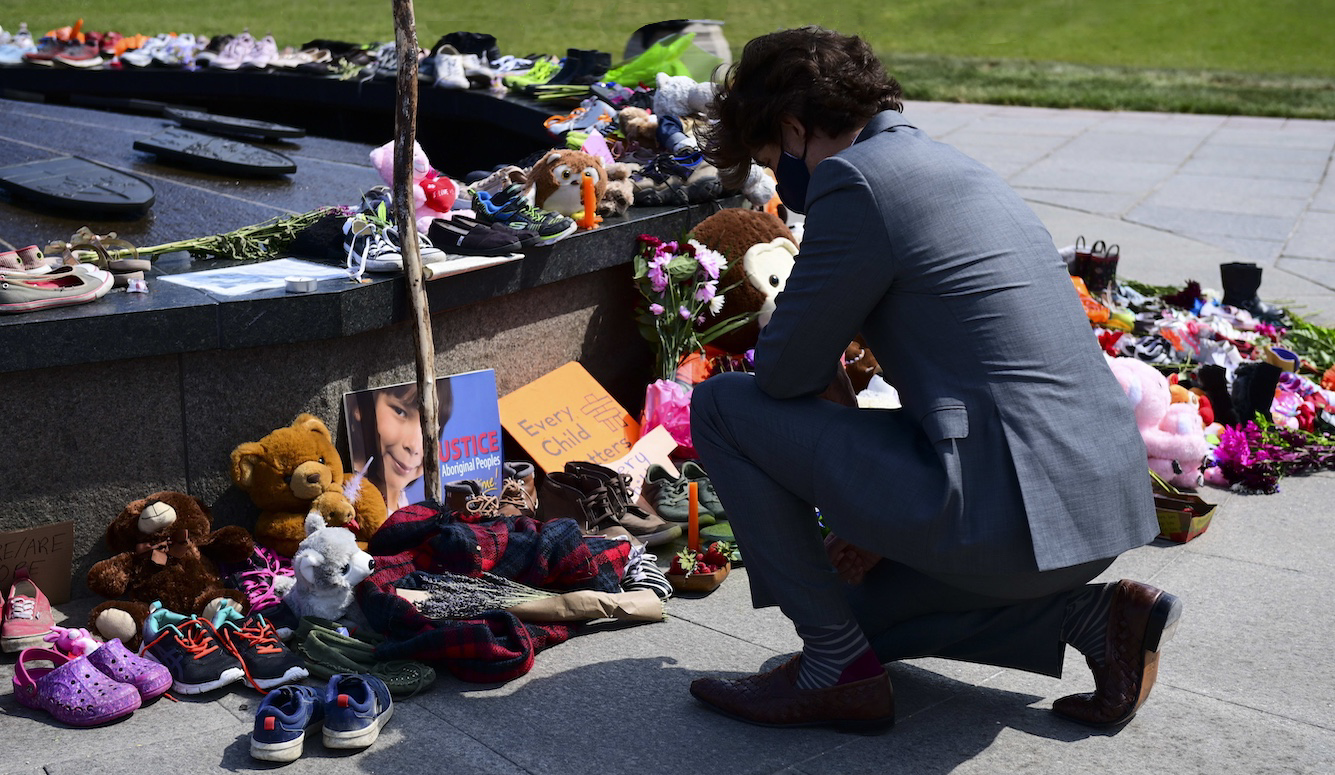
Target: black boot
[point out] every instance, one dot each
(593, 65)
(1253, 390)
(1241, 282)
(570, 68)
(1214, 381)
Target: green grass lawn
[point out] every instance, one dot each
(1233, 56)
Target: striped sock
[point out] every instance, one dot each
(1086, 623)
(834, 654)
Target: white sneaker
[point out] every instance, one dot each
(146, 54)
(234, 52)
(260, 54)
(179, 52)
(23, 38)
(450, 73)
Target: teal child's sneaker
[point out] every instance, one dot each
(356, 706)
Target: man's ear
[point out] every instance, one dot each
(792, 135)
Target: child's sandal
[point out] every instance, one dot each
(72, 690)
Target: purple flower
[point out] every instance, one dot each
(685, 313)
(711, 262)
(658, 279)
(706, 292)
(656, 309)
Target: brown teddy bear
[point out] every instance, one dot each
(296, 470)
(168, 551)
(759, 249)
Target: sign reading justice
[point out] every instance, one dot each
(566, 415)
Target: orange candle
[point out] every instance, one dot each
(589, 218)
(693, 536)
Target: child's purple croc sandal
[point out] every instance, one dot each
(73, 691)
(120, 664)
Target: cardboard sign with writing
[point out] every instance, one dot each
(47, 552)
(566, 415)
(653, 447)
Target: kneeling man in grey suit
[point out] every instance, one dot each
(969, 523)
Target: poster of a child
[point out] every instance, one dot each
(384, 426)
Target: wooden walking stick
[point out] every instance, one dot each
(405, 126)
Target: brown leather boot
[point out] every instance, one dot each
(580, 498)
(519, 494)
(652, 529)
(1140, 620)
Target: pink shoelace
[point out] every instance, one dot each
(258, 583)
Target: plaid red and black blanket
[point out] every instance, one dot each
(496, 646)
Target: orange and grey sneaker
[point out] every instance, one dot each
(191, 650)
(27, 615)
(256, 645)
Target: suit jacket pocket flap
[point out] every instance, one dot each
(946, 422)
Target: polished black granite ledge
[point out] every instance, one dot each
(174, 319)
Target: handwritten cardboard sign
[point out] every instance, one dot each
(653, 447)
(47, 552)
(566, 415)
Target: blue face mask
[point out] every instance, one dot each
(792, 181)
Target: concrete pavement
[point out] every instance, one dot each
(1244, 688)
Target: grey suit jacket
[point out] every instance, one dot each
(960, 293)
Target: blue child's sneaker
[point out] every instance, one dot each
(281, 722)
(356, 706)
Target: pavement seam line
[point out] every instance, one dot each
(1307, 208)
(159, 178)
(1251, 707)
(1176, 171)
(482, 743)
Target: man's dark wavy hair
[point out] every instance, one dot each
(826, 80)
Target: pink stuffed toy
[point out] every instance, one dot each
(433, 193)
(1173, 434)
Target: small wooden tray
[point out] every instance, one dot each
(699, 582)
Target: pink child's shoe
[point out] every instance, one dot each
(27, 615)
(73, 691)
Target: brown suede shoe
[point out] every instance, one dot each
(773, 700)
(1140, 621)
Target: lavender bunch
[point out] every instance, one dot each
(455, 596)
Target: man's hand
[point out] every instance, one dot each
(851, 562)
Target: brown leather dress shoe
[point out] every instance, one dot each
(1141, 619)
(773, 700)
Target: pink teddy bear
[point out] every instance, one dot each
(433, 193)
(1173, 434)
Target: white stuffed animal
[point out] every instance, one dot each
(328, 564)
(680, 95)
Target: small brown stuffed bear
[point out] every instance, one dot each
(168, 551)
(639, 126)
(759, 249)
(296, 470)
(557, 180)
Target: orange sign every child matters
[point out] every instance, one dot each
(566, 415)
